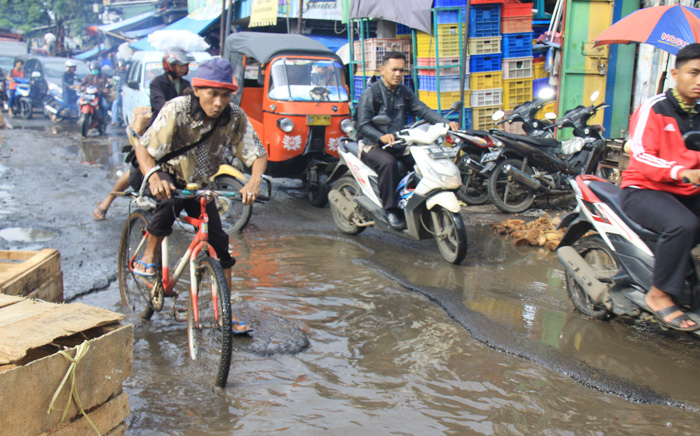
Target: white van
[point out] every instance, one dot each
(145, 66)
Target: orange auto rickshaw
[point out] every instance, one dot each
(294, 92)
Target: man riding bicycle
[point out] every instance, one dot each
(210, 118)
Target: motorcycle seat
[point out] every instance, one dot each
(610, 195)
(537, 142)
(349, 147)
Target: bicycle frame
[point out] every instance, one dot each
(200, 240)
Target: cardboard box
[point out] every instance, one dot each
(31, 368)
(32, 274)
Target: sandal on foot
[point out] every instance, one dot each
(240, 332)
(674, 323)
(145, 273)
(99, 213)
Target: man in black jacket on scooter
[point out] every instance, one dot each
(390, 97)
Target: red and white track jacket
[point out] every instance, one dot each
(657, 151)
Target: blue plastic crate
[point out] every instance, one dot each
(538, 84)
(450, 17)
(402, 29)
(484, 20)
(448, 83)
(360, 83)
(517, 45)
(455, 117)
(487, 62)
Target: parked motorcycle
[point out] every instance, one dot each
(545, 165)
(425, 194)
(609, 258)
(480, 157)
(90, 117)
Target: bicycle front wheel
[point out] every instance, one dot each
(136, 295)
(210, 336)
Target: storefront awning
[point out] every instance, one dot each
(332, 42)
(143, 32)
(90, 53)
(187, 23)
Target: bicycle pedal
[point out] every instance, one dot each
(180, 314)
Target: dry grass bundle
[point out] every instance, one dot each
(541, 232)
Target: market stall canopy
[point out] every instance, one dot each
(264, 46)
(412, 13)
(669, 28)
(190, 23)
(132, 23)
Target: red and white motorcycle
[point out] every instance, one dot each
(90, 118)
(609, 258)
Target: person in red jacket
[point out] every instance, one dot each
(659, 189)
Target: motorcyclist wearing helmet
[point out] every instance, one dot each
(99, 81)
(70, 97)
(118, 80)
(171, 83)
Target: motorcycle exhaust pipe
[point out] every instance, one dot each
(474, 165)
(50, 110)
(584, 275)
(521, 177)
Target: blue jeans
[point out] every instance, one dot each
(11, 101)
(116, 107)
(69, 102)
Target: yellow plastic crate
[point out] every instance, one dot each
(430, 98)
(485, 45)
(538, 70)
(516, 92)
(448, 36)
(486, 80)
(481, 117)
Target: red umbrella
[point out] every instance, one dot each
(669, 28)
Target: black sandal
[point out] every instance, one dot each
(675, 323)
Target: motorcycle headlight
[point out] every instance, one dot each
(347, 125)
(285, 124)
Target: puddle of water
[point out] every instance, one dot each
(382, 360)
(23, 234)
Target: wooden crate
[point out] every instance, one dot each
(31, 368)
(32, 274)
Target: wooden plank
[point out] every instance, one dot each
(22, 310)
(7, 300)
(51, 290)
(106, 417)
(13, 255)
(29, 275)
(27, 390)
(43, 328)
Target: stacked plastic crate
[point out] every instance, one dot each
(374, 51)
(448, 49)
(485, 61)
(516, 27)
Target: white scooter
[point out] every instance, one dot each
(426, 193)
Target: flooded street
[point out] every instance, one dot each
(399, 341)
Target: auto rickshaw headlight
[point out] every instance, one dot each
(285, 124)
(347, 125)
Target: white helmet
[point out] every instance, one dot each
(70, 64)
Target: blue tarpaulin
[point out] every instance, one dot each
(90, 53)
(187, 23)
(332, 42)
(143, 32)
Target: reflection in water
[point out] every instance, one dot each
(382, 360)
(22, 234)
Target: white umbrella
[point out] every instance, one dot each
(344, 53)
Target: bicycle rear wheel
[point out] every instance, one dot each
(135, 294)
(210, 339)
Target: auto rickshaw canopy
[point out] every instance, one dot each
(264, 46)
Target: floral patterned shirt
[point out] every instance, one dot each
(175, 128)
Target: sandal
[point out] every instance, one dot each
(240, 332)
(99, 213)
(674, 323)
(145, 273)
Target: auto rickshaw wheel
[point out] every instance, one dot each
(318, 192)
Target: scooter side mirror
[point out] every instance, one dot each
(381, 120)
(133, 85)
(457, 106)
(595, 96)
(36, 75)
(498, 115)
(692, 140)
(550, 116)
(546, 93)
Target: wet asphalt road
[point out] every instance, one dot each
(51, 180)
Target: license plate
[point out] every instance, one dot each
(491, 156)
(318, 120)
(88, 97)
(442, 152)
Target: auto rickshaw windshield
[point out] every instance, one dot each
(307, 80)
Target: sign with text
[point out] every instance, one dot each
(263, 13)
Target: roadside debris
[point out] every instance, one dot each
(541, 232)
